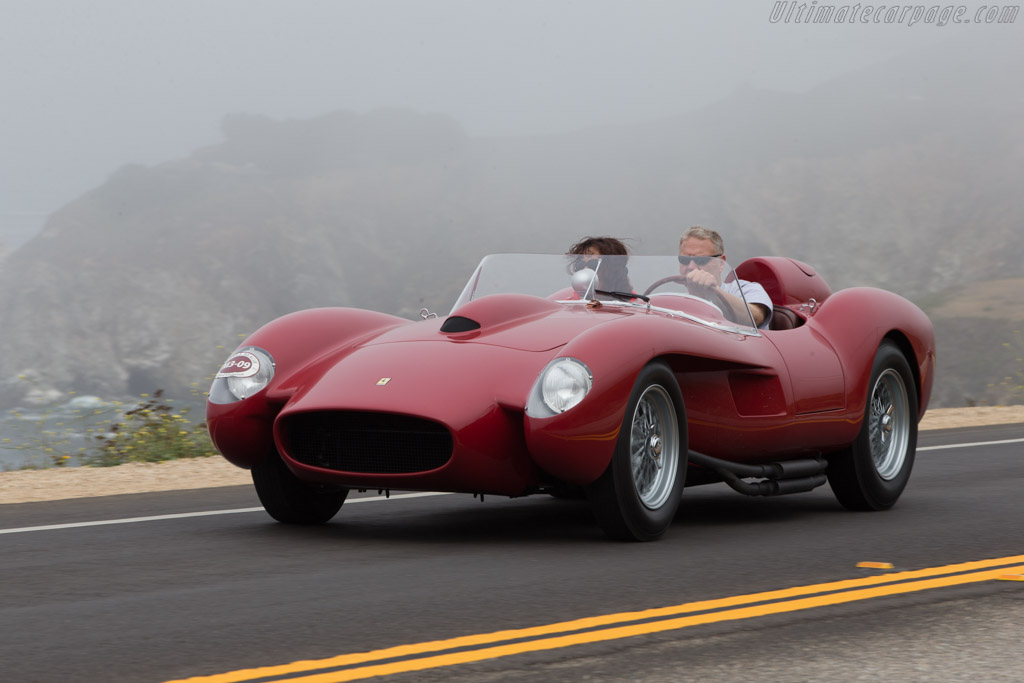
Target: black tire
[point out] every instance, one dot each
(291, 501)
(872, 473)
(636, 498)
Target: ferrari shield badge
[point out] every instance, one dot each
(382, 381)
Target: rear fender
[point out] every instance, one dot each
(856, 321)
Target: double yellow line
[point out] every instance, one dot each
(439, 653)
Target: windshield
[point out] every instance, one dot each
(704, 290)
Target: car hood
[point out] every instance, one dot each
(499, 345)
(512, 321)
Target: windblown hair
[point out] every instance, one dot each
(606, 246)
(614, 274)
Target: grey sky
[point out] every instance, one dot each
(86, 87)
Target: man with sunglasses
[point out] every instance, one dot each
(701, 253)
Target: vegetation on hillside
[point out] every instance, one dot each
(980, 345)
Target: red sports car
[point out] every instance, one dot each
(607, 378)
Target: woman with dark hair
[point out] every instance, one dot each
(613, 273)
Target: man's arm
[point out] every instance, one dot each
(700, 281)
(760, 303)
(740, 310)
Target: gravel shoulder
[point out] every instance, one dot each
(28, 486)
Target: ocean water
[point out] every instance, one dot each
(39, 436)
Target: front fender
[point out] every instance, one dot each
(577, 445)
(300, 343)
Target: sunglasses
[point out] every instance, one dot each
(698, 260)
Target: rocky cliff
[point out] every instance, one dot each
(904, 176)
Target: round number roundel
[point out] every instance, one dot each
(241, 364)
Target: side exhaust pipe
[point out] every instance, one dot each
(778, 478)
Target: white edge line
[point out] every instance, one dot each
(968, 445)
(184, 515)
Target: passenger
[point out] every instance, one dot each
(613, 274)
(701, 252)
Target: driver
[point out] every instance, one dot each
(701, 253)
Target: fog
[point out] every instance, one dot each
(88, 87)
(204, 167)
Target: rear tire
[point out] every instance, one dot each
(291, 501)
(872, 473)
(637, 496)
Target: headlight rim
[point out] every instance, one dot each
(228, 386)
(538, 404)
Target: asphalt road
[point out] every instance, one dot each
(185, 595)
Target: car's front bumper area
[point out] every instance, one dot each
(420, 416)
(374, 450)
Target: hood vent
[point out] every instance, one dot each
(457, 323)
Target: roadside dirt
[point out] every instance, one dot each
(80, 482)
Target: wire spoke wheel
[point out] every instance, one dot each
(889, 424)
(872, 473)
(637, 496)
(654, 435)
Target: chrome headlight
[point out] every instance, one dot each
(560, 386)
(244, 373)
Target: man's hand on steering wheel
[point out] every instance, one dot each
(701, 283)
(705, 284)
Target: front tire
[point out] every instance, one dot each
(872, 473)
(637, 496)
(291, 501)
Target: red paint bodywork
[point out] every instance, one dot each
(748, 398)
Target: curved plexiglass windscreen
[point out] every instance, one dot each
(703, 289)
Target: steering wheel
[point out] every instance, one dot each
(679, 279)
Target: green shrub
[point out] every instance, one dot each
(152, 432)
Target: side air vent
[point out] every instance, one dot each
(457, 323)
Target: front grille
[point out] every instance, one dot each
(370, 443)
